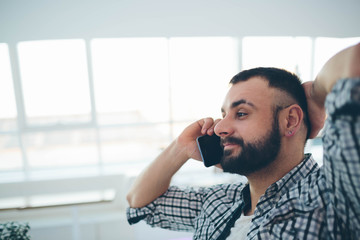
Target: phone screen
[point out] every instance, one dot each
(210, 150)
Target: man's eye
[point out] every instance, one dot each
(241, 114)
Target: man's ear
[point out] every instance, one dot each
(293, 118)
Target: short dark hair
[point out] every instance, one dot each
(280, 79)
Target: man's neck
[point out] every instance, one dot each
(262, 179)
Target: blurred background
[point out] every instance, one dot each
(92, 91)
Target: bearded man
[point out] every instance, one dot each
(267, 117)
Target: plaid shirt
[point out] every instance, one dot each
(307, 203)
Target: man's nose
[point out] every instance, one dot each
(224, 128)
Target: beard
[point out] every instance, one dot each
(253, 156)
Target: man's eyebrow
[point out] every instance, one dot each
(239, 102)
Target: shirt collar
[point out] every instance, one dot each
(301, 171)
(307, 166)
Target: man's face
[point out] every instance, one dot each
(249, 129)
(254, 155)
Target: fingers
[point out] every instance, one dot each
(307, 88)
(316, 111)
(208, 125)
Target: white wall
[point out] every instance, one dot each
(45, 19)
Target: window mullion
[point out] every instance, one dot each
(91, 82)
(240, 53)
(93, 103)
(20, 106)
(15, 70)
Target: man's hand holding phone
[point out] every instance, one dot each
(187, 139)
(156, 178)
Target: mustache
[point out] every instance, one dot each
(231, 140)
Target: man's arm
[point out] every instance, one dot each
(155, 179)
(345, 64)
(339, 82)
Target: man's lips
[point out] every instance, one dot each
(230, 145)
(231, 142)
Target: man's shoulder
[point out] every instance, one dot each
(309, 191)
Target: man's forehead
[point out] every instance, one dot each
(239, 102)
(251, 92)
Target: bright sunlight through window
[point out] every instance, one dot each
(54, 78)
(79, 108)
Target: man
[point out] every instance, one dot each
(263, 131)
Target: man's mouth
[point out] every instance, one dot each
(228, 146)
(231, 143)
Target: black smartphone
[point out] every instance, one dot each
(210, 150)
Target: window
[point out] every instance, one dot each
(200, 71)
(106, 105)
(132, 98)
(327, 47)
(131, 80)
(8, 112)
(290, 53)
(81, 107)
(54, 78)
(10, 153)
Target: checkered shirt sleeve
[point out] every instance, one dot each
(342, 156)
(190, 209)
(176, 209)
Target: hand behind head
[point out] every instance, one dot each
(316, 110)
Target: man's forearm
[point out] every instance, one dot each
(345, 64)
(155, 179)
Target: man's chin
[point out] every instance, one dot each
(228, 163)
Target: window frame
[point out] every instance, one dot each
(100, 167)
